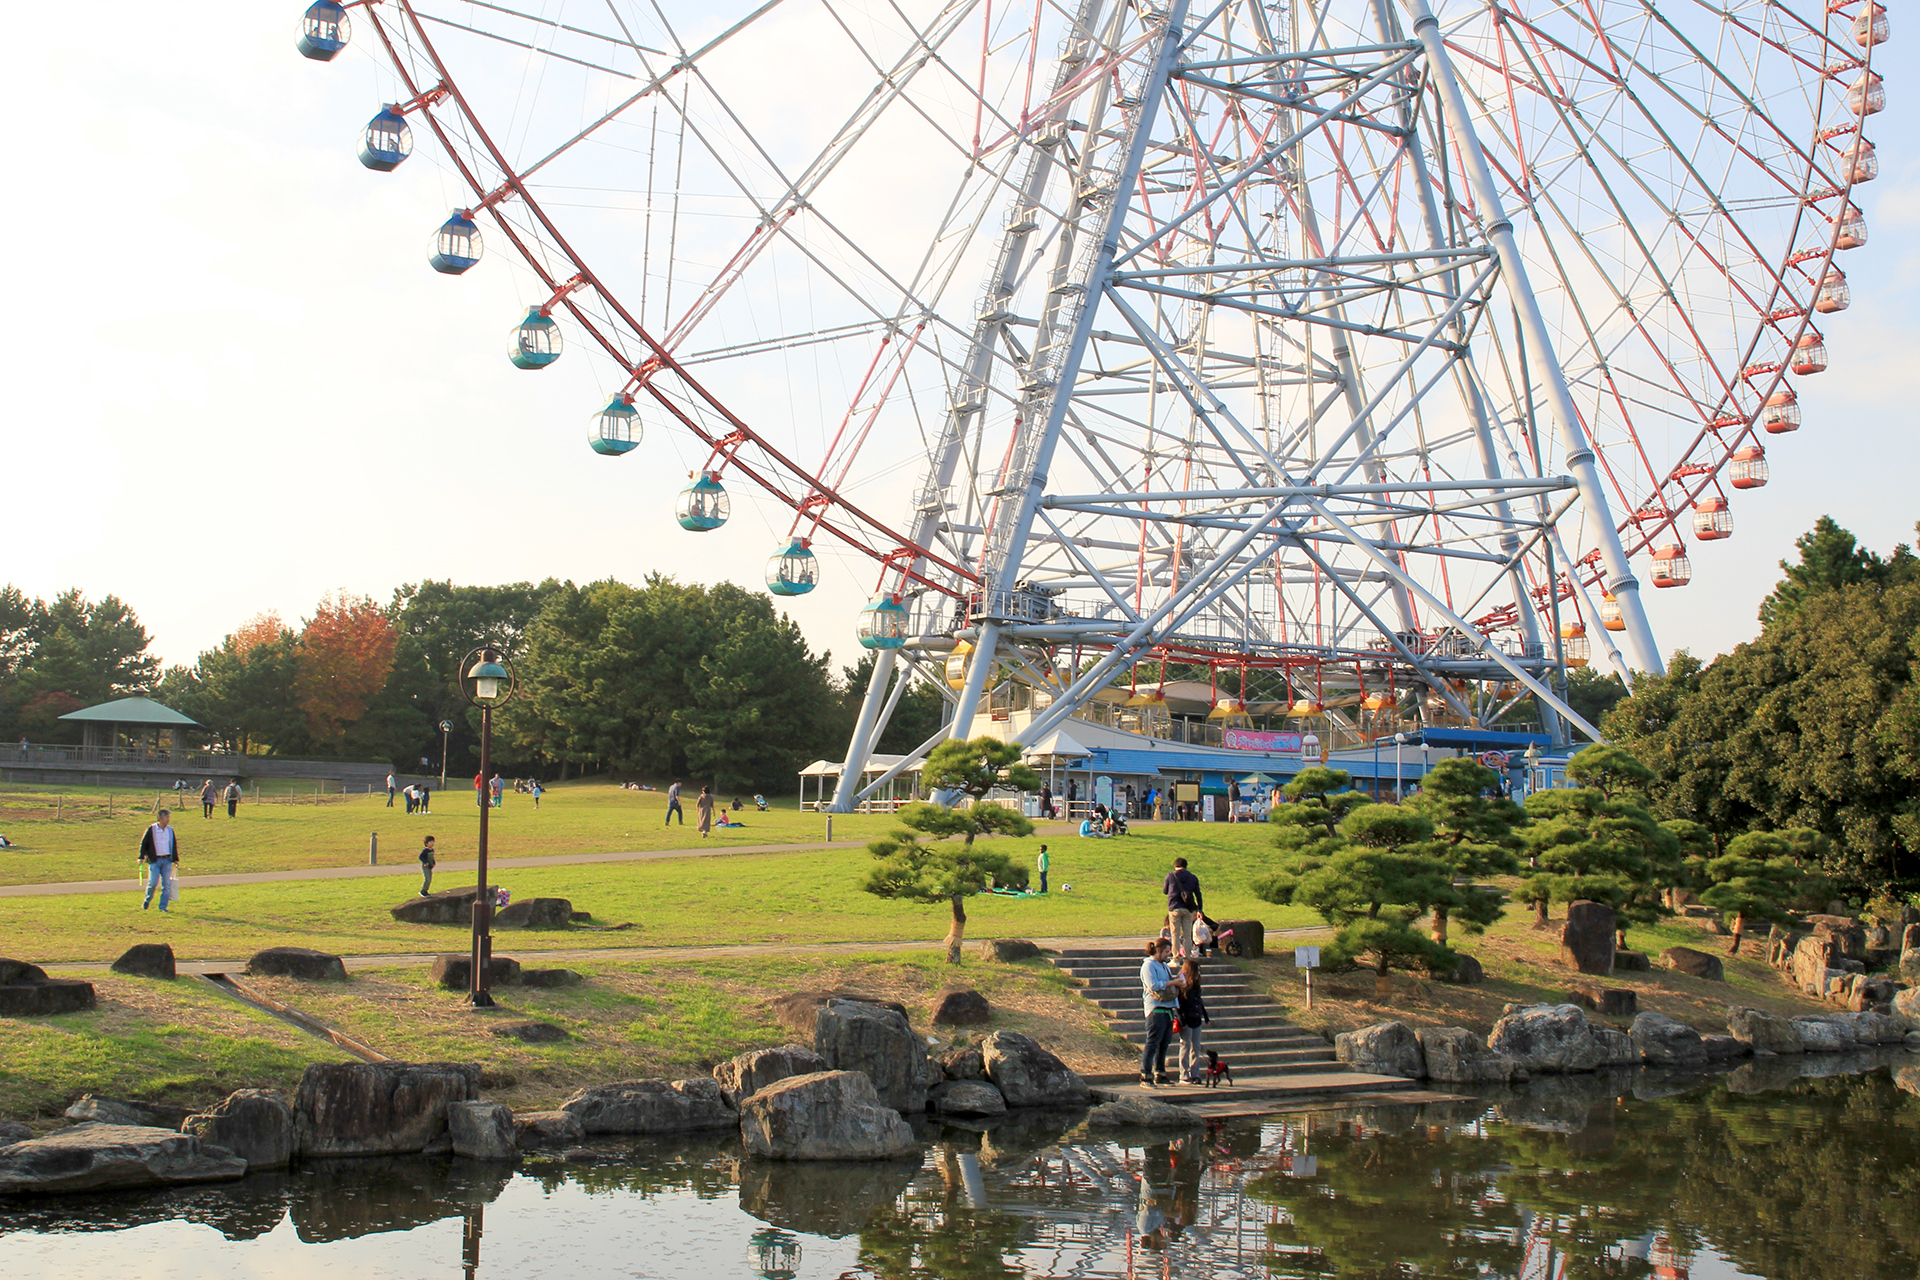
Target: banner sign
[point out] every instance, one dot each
(1262, 740)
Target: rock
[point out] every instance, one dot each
(1557, 1038)
(110, 1157)
(1664, 1042)
(146, 960)
(535, 913)
(1907, 1079)
(963, 1063)
(1720, 1048)
(297, 962)
(1820, 1035)
(1836, 907)
(1456, 1055)
(1383, 1049)
(1009, 949)
(1813, 956)
(1616, 1047)
(451, 906)
(1631, 962)
(966, 1098)
(1879, 938)
(960, 1007)
(550, 978)
(27, 992)
(652, 1106)
(547, 1130)
(1695, 964)
(850, 1035)
(825, 1115)
(1613, 1002)
(1912, 1042)
(1906, 1004)
(1249, 938)
(1142, 1113)
(1027, 1075)
(18, 973)
(1587, 939)
(1874, 1028)
(531, 1032)
(92, 1109)
(1466, 971)
(254, 1124)
(743, 1076)
(377, 1108)
(455, 972)
(800, 1011)
(12, 1131)
(1764, 1033)
(1908, 967)
(1848, 935)
(1910, 938)
(483, 1130)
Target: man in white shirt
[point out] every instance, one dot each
(160, 851)
(389, 791)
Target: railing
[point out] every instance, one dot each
(63, 753)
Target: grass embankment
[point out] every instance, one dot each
(184, 1043)
(808, 896)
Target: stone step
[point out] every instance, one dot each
(1131, 983)
(1236, 1000)
(1271, 1037)
(1132, 965)
(1260, 1085)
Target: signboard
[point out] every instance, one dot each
(1306, 957)
(1494, 759)
(1186, 792)
(1103, 790)
(1262, 740)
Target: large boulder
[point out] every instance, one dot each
(12, 1131)
(825, 1115)
(1027, 1075)
(254, 1124)
(1848, 935)
(1384, 1049)
(550, 978)
(966, 1098)
(454, 972)
(146, 960)
(483, 1131)
(1720, 1048)
(91, 1108)
(1557, 1038)
(1009, 949)
(743, 1076)
(27, 992)
(450, 906)
(377, 1108)
(1695, 964)
(297, 962)
(535, 913)
(1664, 1042)
(1813, 956)
(960, 1007)
(1466, 971)
(1587, 939)
(1143, 1113)
(1875, 1028)
(1763, 1032)
(547, 1130)
(1632, 962)
(652, 1106)
(1456, 1055)
(1823, 1035)
(799, 1011)
(111, 1157)
(1906, 1005)
(963, 1062)
(1611, 1002)
(850, 1035)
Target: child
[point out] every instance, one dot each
(1202, 936)
(426, 867)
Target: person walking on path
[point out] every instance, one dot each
(1044, 863)
(1159, 1001)
(1183, 903)
(233, 797)
(160, 852)
(1193, 1015)
(1233, 800)
(704, 808)
(390, 793)
(207, 796)
(427, 861)
(673, 804)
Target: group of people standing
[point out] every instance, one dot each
(211, 795)
(1170, 984)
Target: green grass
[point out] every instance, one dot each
(808, 896)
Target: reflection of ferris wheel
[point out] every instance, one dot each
(1376, 350)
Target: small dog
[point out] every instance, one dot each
(1217, 1070)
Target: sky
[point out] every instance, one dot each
(233, 385)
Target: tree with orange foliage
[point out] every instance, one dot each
(345, 655)
(261, 628)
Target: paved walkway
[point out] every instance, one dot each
(132, 884)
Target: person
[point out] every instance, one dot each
(1159, 1001)
(207, 796)
(479, 790)
(427, 861)
(1233, 800)
(390, 793)
(1046, 801)
(1043, 868)
(1183, 901)
(704, 808)
(499, 789)
(536, 791)
(160, 851)
(233, 796)
(425, 793)
(1193, 1016)
(725, 821)
(673, 804)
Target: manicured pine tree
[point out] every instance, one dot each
(1475, 828)
(1598, 842)
(1755, 879)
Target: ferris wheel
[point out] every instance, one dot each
(1372, 350)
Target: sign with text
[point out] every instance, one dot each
(1262, 740)
(1306, 957)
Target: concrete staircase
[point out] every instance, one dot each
(1248, 1030)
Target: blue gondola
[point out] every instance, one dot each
(324, 31)
(795, 571)
(456, 246)
(704, 504)
(386, 142)
(883, 623)
(616, 428)
(536, 341)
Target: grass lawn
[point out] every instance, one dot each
(86, 843)
(807, 896)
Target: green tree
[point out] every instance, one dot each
(1475, 828)
(1757, 878)
(945, 871)
(1593, 693)
(1830, 558)
(755, 715)
(1598, 842)
(915, 717)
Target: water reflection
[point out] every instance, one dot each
(1767, 1172)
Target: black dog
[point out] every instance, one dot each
(1217, 1070)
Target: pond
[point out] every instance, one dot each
(1767, 1172)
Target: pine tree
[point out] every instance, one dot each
(1598, 842)
(1755, 879)
(1475, 828)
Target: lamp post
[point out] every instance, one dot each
(1533, 764)
(446, 727)
(1399, 741)
(1426, 753)
(487, 682)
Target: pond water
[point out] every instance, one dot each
(1768, 1172)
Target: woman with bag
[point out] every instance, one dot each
(1191, 1017)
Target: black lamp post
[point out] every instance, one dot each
(446, 727)
(487, 682)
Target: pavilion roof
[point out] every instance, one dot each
(133, 711)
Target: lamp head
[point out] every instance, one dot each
(490, 680)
